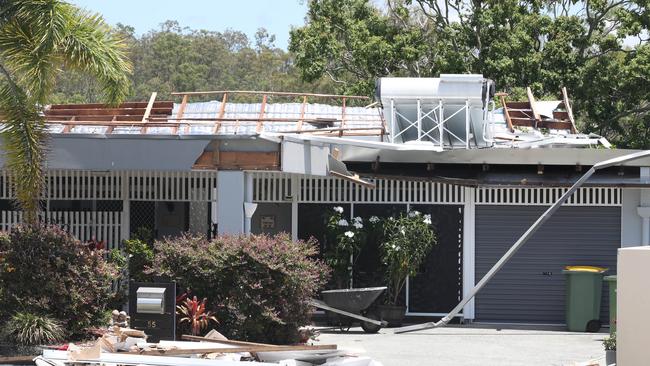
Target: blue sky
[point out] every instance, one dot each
(277, 16)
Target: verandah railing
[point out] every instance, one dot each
(84, 225)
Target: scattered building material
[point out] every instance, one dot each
(225, 341)
(556, 115)
(119, 346)
(232, 349)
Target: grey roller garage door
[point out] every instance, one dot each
(530, 288)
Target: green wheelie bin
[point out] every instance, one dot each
(611, 282)
(583, 294)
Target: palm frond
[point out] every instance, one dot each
(24, 134)
(90, 46)
(37, 39)
(28, 44)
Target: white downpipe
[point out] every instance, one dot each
(295, 181)
(469, 256)
(644, 212)
(419, 120)
(441, 123)
(249, 206)
(467, 124)
(393, 115)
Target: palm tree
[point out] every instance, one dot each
(38, 40)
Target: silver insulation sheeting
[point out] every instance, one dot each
(243, 119)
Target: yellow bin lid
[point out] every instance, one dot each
(591, 269)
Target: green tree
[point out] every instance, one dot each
(38, 39)
(176, 58)
(597, 49)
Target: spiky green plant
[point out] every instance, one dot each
(27, 329)
(38, 40)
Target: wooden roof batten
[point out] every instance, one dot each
(154, 113)
(264, 116)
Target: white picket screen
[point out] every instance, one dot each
(84, 225)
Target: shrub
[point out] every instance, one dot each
(408, 239)
(4, 245)
(120, 263)
(345, 241)
(258, 284)
(610, 342)
(47, 271)
(27, 329)
(140, 257)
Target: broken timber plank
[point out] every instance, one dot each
(302, 113)
(260, 123)
(222, 111)
(531, 100)
(506, 114)
(569, 110)
(225, 341)
(181, 111)
(147, 112)
(178, 351)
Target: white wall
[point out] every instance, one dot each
(630, 219)
(633, 301)
(230, 202)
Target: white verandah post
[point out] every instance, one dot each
(469, 227)
(125, 229)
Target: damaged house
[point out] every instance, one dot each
(266, 162)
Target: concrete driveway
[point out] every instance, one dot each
(474, 345)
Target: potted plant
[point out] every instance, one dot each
(345, 240)
(610, 349)
(408, 239)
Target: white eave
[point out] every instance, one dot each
(351, 150)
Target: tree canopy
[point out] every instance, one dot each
(176, 58)
(597, 49)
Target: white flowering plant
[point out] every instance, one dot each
(408, 239)
(345, 240)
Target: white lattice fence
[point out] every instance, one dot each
(191, 186)
(277, 187)
(84, 225)
(589, 196)
(172, 186)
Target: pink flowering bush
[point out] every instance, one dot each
(46, 271)
(257, 285)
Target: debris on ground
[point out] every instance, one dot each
(128, 346)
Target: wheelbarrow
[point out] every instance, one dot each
(353, 303)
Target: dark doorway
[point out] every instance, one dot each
(438, 286)
(369, 271)
(159, 219)
(312, 221)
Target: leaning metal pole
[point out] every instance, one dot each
(522, 240)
